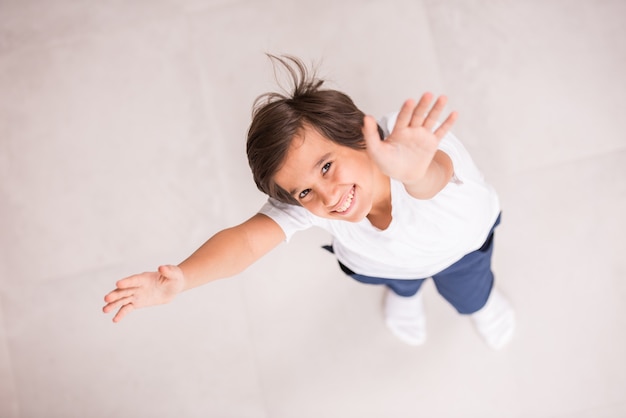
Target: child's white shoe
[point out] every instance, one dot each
(404, 316)
(495, 321)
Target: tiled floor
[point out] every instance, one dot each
(122, 129)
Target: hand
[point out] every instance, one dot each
(145, 289)
(407, 153)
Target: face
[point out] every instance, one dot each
(329, 180)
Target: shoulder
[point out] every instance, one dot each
(273, 207)
(290, 218)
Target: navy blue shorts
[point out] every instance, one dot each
(466, 284)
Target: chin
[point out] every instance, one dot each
(355, 216)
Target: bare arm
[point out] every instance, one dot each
(225, 254)
(231, 251)
(437, 176)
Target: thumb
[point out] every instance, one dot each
(170, 272)
(370, 134)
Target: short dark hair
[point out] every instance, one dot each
(278, 118)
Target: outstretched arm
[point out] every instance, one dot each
(225, 254)
(231, 251)
(410, 153)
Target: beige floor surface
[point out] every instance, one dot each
(122, 128)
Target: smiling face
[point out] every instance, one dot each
(330, 180)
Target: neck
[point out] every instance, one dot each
(380, 214)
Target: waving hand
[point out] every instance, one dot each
(409, 154)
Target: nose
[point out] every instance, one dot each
(329, 195)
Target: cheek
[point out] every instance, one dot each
(316, 208)
(310, 205)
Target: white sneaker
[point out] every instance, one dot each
(404, 316)
(495, 322)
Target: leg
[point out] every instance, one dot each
(468, 286)
(403, 310)
(467, 283)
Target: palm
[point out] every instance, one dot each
(408, 151)
(145, 289)
(155, 289)
(406, 154)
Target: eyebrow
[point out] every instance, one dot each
(317, 164)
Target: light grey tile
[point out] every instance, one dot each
(189, 358)
(8, 393)
(560, 257)
(378, 53)
(105, 153)
(30, 23)
(613, 411)
(536, 83)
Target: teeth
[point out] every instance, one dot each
(347, 203)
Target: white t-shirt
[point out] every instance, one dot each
(424, 237)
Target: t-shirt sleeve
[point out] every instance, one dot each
(464, 167)
(290, 218)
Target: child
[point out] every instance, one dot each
(403, 201)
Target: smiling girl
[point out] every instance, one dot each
(402, 199)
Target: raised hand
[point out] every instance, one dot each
(145, 289)
(407, 153)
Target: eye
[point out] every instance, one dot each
(326, 168)
(303, 193)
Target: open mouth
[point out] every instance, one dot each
(347, 202)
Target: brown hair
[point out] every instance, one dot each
(278, 118)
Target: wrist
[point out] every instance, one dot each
(436, 177)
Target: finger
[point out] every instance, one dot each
(421, 110)
(443, 129)
(118, 294)
(117, 304)
(433, 115)
(125, 310)
(128, 282)
(370, 134)
(406, 112)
